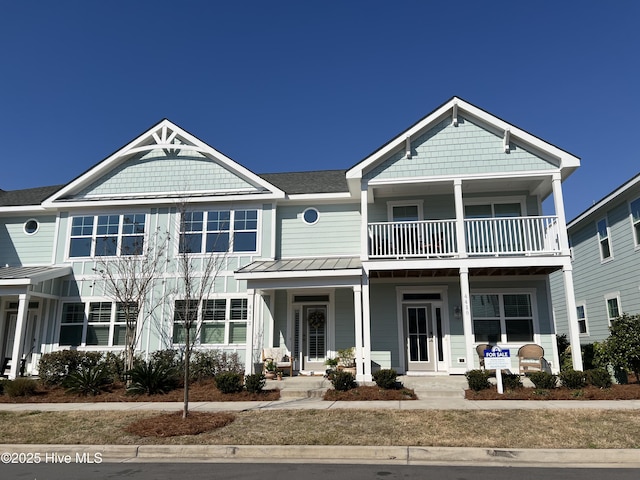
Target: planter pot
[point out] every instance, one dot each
(270, 375)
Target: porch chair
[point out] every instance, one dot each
(280, 356)
(480, 351)
(531, 359)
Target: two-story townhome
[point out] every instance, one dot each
(605, 246)
(431, 245)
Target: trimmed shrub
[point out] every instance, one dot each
(170, 359)
(572, 379)
(255, 383)
(113, 364)
(20, 387)
(622, 348)
(2, 382)
(54, 367)
(511, 381)
(478, 379)
(88, 380)
(543, 380)
(229, 382)
(209, 363)
(343, 381)
(599, 377)
(386, 378)
(151, 378)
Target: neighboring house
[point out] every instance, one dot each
(431, 245)
(605, 245)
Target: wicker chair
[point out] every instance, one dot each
(281, 357)
(531, 358)
(480, 351)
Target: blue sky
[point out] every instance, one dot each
(304, 85)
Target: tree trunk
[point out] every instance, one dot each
(187, 357)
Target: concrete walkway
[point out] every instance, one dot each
(434, 393)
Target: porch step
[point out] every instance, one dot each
(435, 386)
(300, 386)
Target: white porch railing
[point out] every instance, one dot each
(435, 238)
(512, 236)
(486, 236)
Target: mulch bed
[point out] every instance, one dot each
(616, 392)
(370, 393)
(198, 392)
(173, 425)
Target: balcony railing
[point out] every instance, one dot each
(483, 237)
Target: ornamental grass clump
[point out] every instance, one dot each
(90, 380)
(20, 387)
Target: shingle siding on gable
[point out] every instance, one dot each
(465, 149)
(170, 174)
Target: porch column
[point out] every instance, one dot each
(572, 318)
(364, 221)
(18, 339)
(467, 324)
(251, 321)
(357, 307)
(460, 243)
(558, 203)
(366, 328)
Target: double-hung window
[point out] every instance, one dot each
(613, 306)
(582, 319)
(95, 323)
(219, 231)
(502, 317)
(604, 240)
(635, 220)
(221, 321)
(107, 235)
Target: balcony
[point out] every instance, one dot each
(515, 236)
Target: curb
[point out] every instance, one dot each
(320, 454)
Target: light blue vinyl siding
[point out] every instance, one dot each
(156, 172)
(465, 149)
(337, 232)
(593, 279)
(345, 319)
(17, 248)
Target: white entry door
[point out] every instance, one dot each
(419, 338)
(311, 330)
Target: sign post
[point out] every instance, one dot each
(497, 359)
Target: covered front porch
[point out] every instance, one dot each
(28, 299)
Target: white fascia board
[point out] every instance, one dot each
(565, 159)
(26, 209)
(299, 274)
(323, 198)
(138, 145)
(164, 201)
(463, 177)
(469, 262)
(609, 198)
(399, 141)
(289, 283)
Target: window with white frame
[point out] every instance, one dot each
(219, 231)
(221, 321)
(94, 323)
(635, 220)
(502, 317)
(107, 235)
(604, 239)
(613, 306)
(581, 311)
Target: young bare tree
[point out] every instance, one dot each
(196, 280)
(129, 279)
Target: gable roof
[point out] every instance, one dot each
(632, 182)
(165, 136)
(454, 107)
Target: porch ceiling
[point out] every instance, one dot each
(324, 264)
(473, 272)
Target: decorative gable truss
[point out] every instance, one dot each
(165, 162)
